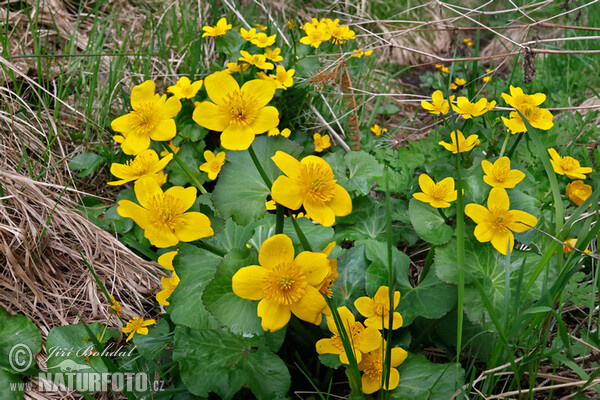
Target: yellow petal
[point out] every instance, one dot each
(477, 213)
(171, 108)
(128, 209)
(219, 85)
(341, 203)
(370, 339)
(426, 184)
(310, 306)
(164, 131)
(523, 217)
(503, 240)
(237, 137)
(319, 212)
(314, 265)
(498, 199)
(192, 226)
(364, 305)
(122, 123)
(370, 384)
(398, 356)
(248, 282)
(211, 116)
(160, 236)
(266, 119)
(135, 143)
(186, 197)
(288, 193)
(142, 93)
(146, 189)
(274, 316)
(327, 346)
(260, 91)
(275, 250)
(287, 164)
(166, 260)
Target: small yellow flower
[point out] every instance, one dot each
(439, 66)
(341, 34)
(258, 60)
(460, 81)
(499, 174)
(453, 86)
(163, 216)
(321, 142)
(151, 118)
(316, 32)
(275, 131)
(262, 40)
(572, 242)
(377, 130)
(184, 88)
(261, 27)
(273, 55)
(284, 284)
(487, 77)
(468, 42)
(362, 340)
(213, 164)
(568, 166)
(173, 148)
(116, 306)
(438, 105)
(137, 325)
(359, 53)
(372, 367)
(144, 164)
(169, 284)
(578, 192)
(445, 70)
(282, 79)
(438, 195)
(234, 67)
(528, 105)
(497, 223)
(325, 288)
(240, 114)
(221, 28)
(310, 183)
(248, 35)
(467, 110)
(377, 309)
(290, 23)
(463, 144)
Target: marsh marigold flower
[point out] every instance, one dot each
(166, 260)
(310, 183)
(377, 309)
(463, 145)
(213, 164)
(438, 105)
(578, 192)
(460, 81)
(276, 132)
(487, 77)
(497, 223)
(248, 35)
(185, 88)
(567, 166)
(371, 366)
(377, 130)
(145, 164)
(316, 32)
(528, 105)
(174, 149)
(137, 325)
(467, 110)
(468, 42)
(151, 118)
(220, 29)
(273, 55)
(321, 142)
(262, 40)
(258, 60)
(438, 195)
(359, 53)
(333, 274)
(284, 284)
(282, 78)
(362, 340)
(240, 114)
(116, 306)
(163, 216)
(340, 33)
(169, 284)
(499, 174)
(567, 244)
(234, 67)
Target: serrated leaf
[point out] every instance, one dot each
(87, 163)
(363, 168)
(21, 336)
(151, 345)
(191, 154)
(350, 285)
(421, 379)
(330, 360)
(377, 273)
(428, 223)
(240, 192)
(195, 268)
(367, 220)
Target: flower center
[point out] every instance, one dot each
(140, 165)
(285, 284)
(374, 367)
(318, 182)
(439, 192)
(215, 165)
(144, 119)
(569, 163)
(501, 220)
(137, 323)
(241, 109)
(165, 210)
(382, 309)
(500, 173)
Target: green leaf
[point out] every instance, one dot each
(421, 379)
(377, 273)
(388, 109)
(221, 362)
(195, 268)
(363, 168)
(318, 236)
(192, 131)
(234, 236)
(428, 223)
(151, 345)
(350, 285)
(240, 192)
(330, 360)
(87, 163)
(191, 154)
(367, 220)
(21, 336)
(10, 384)
(238, 314)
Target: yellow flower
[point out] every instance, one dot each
(283, 284)
(270, 205)
(377, 309)
(213, 164)
(358, 53)
(463, 144)
(234, 67)
(377, 130)
(438, 195)
(261, 27)
(258, 60)
(275, 131)
(166, 152)
(169, 284)
(467, 110)
(341, 34)
(333, 274)
(445, 70)
(468, 42)
(282, 78)
(439, 66)
(151, 118)
(321, 142)
(290, 23)
(316, 32)
(453, 86)
(528, 105)
(487, 77)
(460, 81)
(578, 192)
(116, 306)
(144, 164)
(499, 174)
(310, 183)
(568, 166)
(166, 260)
(273, 55)
(372, 367)
(572, 242)
(137, 325)
(221, 28)
(438, 105)
(262, 40)
(239, 113)
(163, 216)
(490, 105)
(184, 88)
(248, 35)
(497, 223)
(362, 340)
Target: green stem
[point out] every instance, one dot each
(259, 167)
(514, 146)
(387, 365)
(443, 215)
(505, 143)
(460, 253)
(303, 241)
(279, 219)
(212, 249)
(185, 168)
